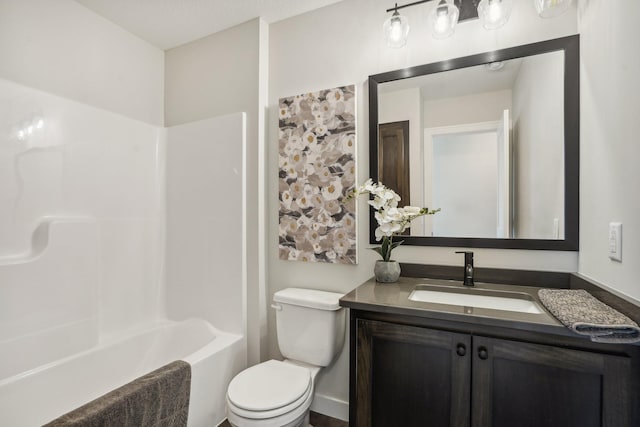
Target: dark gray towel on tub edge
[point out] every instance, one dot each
(158, 399)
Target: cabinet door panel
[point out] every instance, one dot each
(532, 385)
(411, 376)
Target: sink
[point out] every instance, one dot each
(475, 297)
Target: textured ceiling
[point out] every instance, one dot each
(170, 23)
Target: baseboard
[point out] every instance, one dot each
(331, 407)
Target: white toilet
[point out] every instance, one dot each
(310, 328)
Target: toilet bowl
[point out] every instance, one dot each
(272, 394)
(310, 327)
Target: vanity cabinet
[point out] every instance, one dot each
(408, 375)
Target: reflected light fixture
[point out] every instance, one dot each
(396, 29)
(551, 8)
(446, 14)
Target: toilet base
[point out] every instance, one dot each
(235, 421)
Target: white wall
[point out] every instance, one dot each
(538, 146)
(342, 44)
(221, 74)
(64, 48)
(462, 110)
(610, 129)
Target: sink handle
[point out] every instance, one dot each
(483, 353)
(461, 349)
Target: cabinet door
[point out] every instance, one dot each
(411, 376)
(533, 385)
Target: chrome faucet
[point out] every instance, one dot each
(468, 267)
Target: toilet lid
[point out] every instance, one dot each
(269, 385)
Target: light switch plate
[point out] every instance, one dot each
(615, 241)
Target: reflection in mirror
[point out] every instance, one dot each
(485, 144)
(492, 139)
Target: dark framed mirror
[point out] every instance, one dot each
(492, 139)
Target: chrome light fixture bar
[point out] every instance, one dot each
(446, 14)
(442, 19)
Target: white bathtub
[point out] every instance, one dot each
(34, 397)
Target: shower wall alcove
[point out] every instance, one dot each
(111, 229)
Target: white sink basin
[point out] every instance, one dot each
(478, 298)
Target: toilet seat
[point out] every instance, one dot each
(269, 389)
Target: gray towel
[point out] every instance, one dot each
(578, 310)
(158, 399)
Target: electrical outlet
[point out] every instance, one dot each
(615, 241)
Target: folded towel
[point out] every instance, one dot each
(158, 399)
(578, 310)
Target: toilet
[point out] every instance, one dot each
(310, 328)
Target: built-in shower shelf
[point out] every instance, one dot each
(49, 293)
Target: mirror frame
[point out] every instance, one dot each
(571, 47)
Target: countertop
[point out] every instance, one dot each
(393, 298)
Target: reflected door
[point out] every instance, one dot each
(393, 158)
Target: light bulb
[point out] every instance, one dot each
(494, 13)
(442, 23)
(443, 19)
(395, 34)
(396, 30)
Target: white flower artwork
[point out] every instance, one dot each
(317, 140)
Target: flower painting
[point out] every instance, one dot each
(317, 170)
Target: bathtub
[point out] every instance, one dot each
(45, 392)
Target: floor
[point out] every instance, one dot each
(317, 420)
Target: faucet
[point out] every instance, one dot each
(468, 267)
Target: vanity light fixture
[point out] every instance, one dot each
(494, 13)
(446, 14)
(443, 19)
(396, 29)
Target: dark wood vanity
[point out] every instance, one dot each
(422, 364)
(417, 363)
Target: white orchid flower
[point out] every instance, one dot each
(411, 210)
(367, 187)
(377, 203)
(394, 214)
(389, 228)
(391, 219)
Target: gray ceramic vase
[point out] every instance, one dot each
(386, 271)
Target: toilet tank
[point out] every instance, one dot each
(310, 325)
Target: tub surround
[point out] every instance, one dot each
(90, 225)
(495, 365)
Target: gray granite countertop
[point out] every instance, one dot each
(393, 298)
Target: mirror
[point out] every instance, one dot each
(491, 139)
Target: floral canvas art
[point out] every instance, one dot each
(317, 172)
